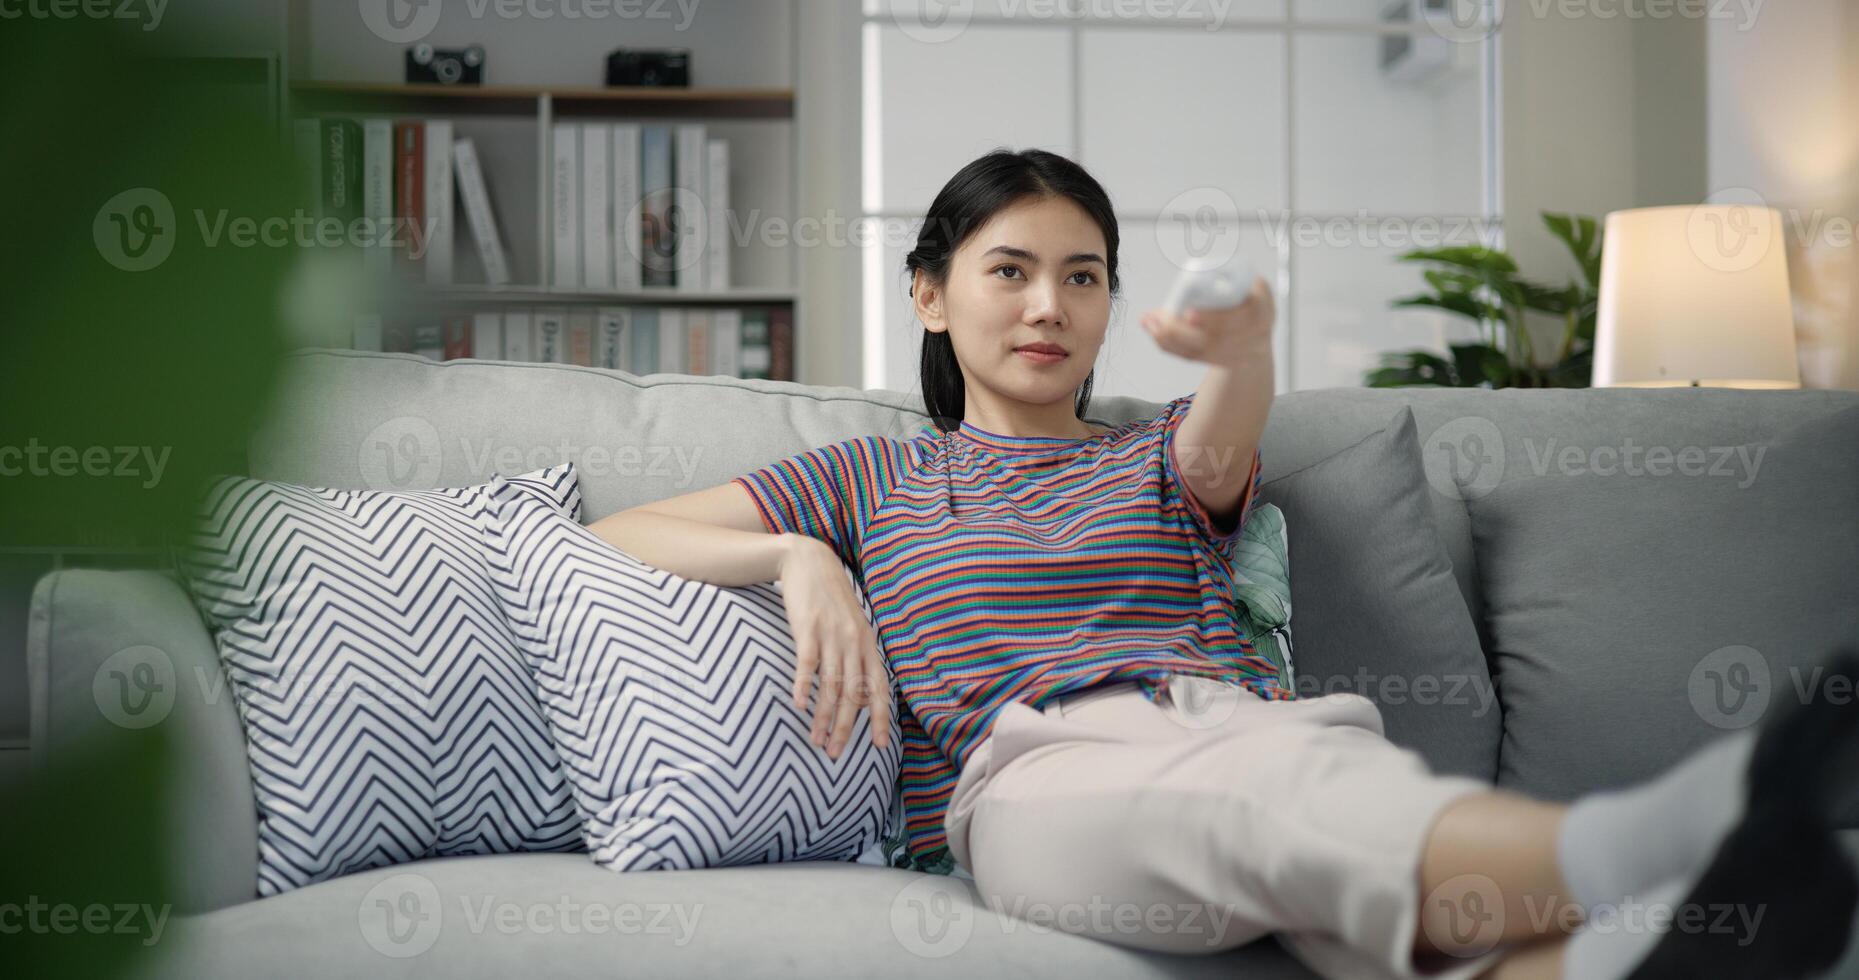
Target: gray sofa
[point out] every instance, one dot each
(399, 422)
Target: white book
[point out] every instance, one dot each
(726, 343)
(692, 165)
(309, 143)
(610, 338)
(487, 336)
(478, 212)
(439, 201)
(716, 256)
(367, 335)
(565, 204)
(552, 336)
(671, 345)
(596, 215)
(624, 201)
(518, 343)
(377, 192)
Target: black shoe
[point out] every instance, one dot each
(1781, 861)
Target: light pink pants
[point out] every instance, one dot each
(1204, 820)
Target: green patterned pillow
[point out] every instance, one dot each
(1262, 589)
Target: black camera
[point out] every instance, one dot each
(445, 66)
(669, 68)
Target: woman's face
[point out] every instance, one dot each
(1034, 274)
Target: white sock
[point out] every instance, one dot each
(1623, 841)
(1619, 935)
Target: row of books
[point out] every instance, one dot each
(402, 175)
(750, 342)
(639, 205)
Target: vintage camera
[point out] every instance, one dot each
(445, 66)
(670, 68)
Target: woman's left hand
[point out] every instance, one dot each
(1223, 337)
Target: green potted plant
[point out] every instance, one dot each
(1484, 284)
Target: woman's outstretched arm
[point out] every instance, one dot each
(1218, 440)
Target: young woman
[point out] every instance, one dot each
(1083, 719)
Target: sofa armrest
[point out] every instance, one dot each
(128, 649)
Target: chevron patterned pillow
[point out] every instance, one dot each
(670, 702)
(388, 715)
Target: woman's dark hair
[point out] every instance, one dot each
(967, 202)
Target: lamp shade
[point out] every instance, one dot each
(1695, 295)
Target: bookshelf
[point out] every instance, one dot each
(535, 77)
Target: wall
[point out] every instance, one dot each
(1784, 124)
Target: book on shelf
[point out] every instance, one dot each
(690, 227)
(581, 337)
(551, 336)
(565, 204)
(478, 212)
(341, 169)
(633, 205)
(410, 193)
(624, 199)
(717, 206)
(658, 245)
(595, 183)
(439, 202)
(737, 342)
(377, 192)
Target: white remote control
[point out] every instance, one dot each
(1207, 285)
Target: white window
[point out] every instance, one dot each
(1321, 138)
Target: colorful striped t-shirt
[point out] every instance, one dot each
(1020, 568)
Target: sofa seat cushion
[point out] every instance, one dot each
(528, 915)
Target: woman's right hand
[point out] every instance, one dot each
(833, 638)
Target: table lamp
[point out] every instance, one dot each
(1695, 295)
